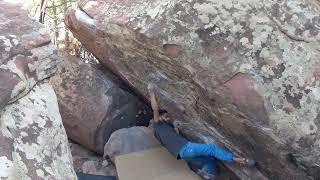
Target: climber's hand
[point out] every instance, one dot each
(151, 87)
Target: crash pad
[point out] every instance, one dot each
(153, 164)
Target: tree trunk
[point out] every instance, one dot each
(42, 11)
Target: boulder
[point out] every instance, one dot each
(128, 140)
(93, 103)
(34, 143)
(26, 54)
(241, 73)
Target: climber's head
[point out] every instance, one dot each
(164, 115)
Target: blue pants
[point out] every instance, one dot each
(205, 155)
(192, 150)
(202, 155)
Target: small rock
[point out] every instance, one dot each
(89, 167)
(105, 163)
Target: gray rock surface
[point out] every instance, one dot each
(34, 144)
(33, 141)
(242, 73)
(93, 103)
(86, 161)
(128, 140)
(26, 54)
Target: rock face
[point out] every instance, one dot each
(34, 144)
(26, 54)
(93, 103)
(33, 141)
(88, 162)
(242, 73)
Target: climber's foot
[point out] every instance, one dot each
(245, 162)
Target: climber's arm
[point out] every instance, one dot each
(154, 104)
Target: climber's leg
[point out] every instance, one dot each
(169, 138)
(191, 150)
(180, 147)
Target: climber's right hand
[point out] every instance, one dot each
(151, 87)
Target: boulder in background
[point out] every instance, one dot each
(128, 140)
(93, 103)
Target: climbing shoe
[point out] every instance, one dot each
(247, 163)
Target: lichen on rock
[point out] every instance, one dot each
(247, 69)
(35, 138)
(34, 144)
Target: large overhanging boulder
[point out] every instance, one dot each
(34, 144)
(93, 103)
(242, 73)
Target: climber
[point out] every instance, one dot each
(200, 157)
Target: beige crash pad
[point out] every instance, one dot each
(153, 164)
